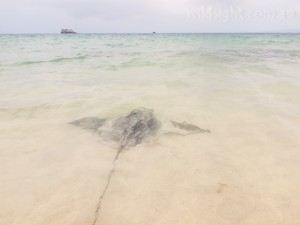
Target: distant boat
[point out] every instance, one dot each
(67, 31)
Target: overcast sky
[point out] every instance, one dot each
(140, 16)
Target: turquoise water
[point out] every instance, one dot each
(33, 63)
(245, 88)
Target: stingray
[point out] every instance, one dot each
(189, 128)
(130, 130)
(125, 132)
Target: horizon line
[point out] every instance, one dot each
(154, 32)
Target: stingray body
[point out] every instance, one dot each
(127, 131)
(131, 130)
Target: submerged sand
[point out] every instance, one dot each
(247, 171)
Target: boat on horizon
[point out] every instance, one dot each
(67, 31)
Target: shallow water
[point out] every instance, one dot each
(245, 88)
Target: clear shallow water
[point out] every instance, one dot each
(245, 88)
(33, 64)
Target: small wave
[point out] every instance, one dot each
(51, 61)
(29, 63)
(28, 109)
(68, 59)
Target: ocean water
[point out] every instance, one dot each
(245, 88)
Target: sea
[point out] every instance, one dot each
(244, 88)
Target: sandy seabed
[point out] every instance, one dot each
(246, 172)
